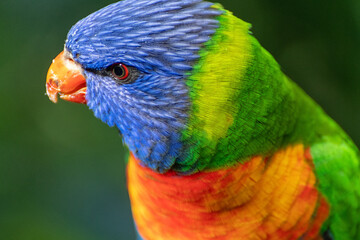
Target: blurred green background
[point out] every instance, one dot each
(62, 171)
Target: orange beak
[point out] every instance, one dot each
(66, 79)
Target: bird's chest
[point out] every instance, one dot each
(264, 198)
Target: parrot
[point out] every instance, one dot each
(222, 144)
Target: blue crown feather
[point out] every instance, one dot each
(142, 32)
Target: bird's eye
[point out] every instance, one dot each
(122, 74)
(120, 71)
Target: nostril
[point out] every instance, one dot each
(56, 83)
(52, 84)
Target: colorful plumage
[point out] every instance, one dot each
(223, 144)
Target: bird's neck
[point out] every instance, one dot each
(243, 104)
(245, 201)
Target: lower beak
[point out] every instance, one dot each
(66, 79)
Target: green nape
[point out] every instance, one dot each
(242, 103)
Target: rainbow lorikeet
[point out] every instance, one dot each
(223, 144)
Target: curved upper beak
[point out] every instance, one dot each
(66, 79)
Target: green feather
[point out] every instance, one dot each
(244, 105)
(336, 162)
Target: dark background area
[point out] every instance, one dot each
(62, 171)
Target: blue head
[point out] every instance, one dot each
(158, 42)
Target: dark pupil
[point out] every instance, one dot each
(119, 71)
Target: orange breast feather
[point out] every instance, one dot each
(264, 198)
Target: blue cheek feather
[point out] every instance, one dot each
(150, 128)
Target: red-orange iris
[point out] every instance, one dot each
(120, 71)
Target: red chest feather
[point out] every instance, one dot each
(272, 198)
